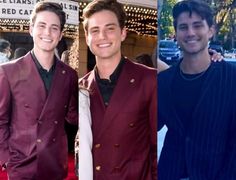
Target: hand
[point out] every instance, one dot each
(215, 56)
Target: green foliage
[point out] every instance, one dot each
(165, 20)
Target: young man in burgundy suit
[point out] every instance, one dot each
(123, 100)
(38, 92)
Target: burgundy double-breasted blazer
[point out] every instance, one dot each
(125, 132)
(32, 137)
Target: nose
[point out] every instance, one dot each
(47, 30)
(190, 31)
(102, 34)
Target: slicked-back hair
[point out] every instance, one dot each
(199, 7)
(100, 5)
(51, 7)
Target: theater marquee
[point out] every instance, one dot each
(17, 13)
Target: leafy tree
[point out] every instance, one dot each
(165, 21)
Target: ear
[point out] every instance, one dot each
(86, 37)
(31, 29)
(61, 35)
(123, 34)
(211, 31)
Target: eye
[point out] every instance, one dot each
(55, 28)
(197, 26)
(111, 28)
(94, 31)
(182, 28)
(41, 25)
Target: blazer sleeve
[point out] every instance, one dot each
(72, 114)
(5, 103)
(229, 166)
(153, 124)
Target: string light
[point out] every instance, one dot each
(141, 20)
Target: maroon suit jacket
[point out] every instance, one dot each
(125, 133)
(32, 136)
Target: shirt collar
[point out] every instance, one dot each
(39, 66)
(115, 75)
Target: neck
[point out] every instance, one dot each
(45, 59)
(106, 67)
(193, 64)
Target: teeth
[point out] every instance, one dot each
(103, 45)
(191, 41)
(46, 40)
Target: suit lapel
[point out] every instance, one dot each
(59, 78)
(30, 73)
(125, 86)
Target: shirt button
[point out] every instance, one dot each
(39, 140)
(97, 145)
(98, 168)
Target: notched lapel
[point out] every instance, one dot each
(124, 88)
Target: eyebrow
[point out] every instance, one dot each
(109, 24)
(195, 22)
(41, 22)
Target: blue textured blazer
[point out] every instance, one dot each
(208, 146)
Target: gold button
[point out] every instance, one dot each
(65, 106)
(39, 140)
(132, 80)
(117, 168)
(117, 145)
(131, 125)
(98, 168)
(63, 72)
(53, 139)
(55, 122)
(97, 145)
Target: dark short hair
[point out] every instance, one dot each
(19, 52)
(100, 5)
(199, 7)
(51, 7)
(4, 44)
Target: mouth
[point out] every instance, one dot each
(105, 45)
(46, 40)
(192, 41)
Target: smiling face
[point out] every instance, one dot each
(193, 33)
(104, 35)
(46, 32)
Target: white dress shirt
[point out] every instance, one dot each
(85, 137)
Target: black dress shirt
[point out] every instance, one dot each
(106, 86)
(45, 75)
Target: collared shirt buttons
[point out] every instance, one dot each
(39, 140)
(98, 168)
(97, 145)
